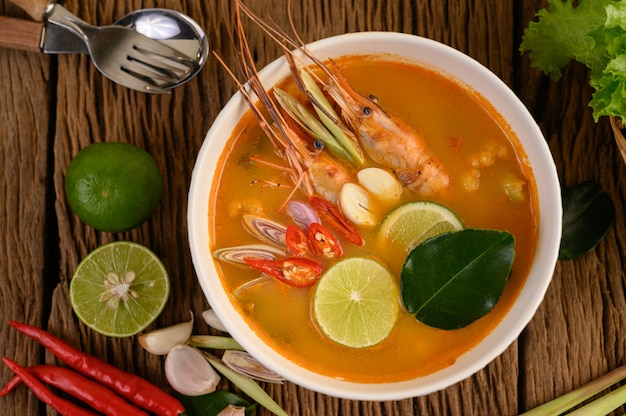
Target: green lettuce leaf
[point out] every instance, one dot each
(592, 32)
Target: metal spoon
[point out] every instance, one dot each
(174, 29)
(167, 27)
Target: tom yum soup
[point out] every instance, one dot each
(395, 226)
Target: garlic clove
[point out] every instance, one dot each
(188, 372)
(381, 184)
(245, 364)
(231, 410)
(210, 317)
(161, 341)
(356, 204)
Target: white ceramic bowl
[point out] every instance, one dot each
(462, 68)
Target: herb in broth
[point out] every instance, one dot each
(453, 279)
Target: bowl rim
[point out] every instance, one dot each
(459, 67)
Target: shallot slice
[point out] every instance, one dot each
(302, 214)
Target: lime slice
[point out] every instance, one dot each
(356, 302)
(119, 289)
(412, 223)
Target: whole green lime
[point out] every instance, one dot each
(113, 186)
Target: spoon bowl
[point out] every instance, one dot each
(174, 29)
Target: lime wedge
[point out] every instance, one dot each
(119, 289)
(356, 302)
(412, 223)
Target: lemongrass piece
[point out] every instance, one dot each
(302, 214)
(603, 405)
(236, 254)
(245, 364)
(214, 342)
(250, 284)
(211, 319)
(246, 384)
(381, 183)
(231, 410)
(265, 230)
(357, 205)
(188, 372)
(161, 341)
(567, 401)
(331, 119)
(310, 124)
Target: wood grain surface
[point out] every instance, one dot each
(53, 106)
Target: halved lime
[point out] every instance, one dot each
(119, 289)
(413, 223)
(356, 302)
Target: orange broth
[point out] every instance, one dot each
(460, 128)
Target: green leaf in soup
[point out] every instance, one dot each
(213, 403)
(588, 214)
(453, 279)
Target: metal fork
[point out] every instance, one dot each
(126, 56)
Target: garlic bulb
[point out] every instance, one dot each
(161, 341)
(245, 364)
(188, 372)
(213, 321)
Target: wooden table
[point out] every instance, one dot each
(53, 106)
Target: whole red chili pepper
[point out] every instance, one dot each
(65, 407)
(95, 395)
(133, 388)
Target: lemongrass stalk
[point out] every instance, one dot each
(567, 401)
(331, 119)
(604, 405)
(309, 123)
(247, 385)
(214, 342)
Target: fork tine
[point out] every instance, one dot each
(155, 65)
(150, 47)
(154, 75)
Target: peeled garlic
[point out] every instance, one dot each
(188, 372)
(161, 341)
(245, 364)
(213, 321)
(381, 184)
(356, 204)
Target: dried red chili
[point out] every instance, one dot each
(95, 395)
(133, 388)
(65, 407)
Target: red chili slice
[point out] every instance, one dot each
(323, 242)
(333, 218)
(297, 240)
(294, 271)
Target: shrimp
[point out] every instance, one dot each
(311, 169)
(387, 139)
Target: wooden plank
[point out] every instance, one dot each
(24, 226)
